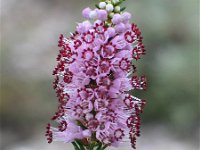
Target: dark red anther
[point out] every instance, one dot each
(88, 37)
(128, 101)
(125, 64)
(100, 28)
(77, 44)
(139, 82)
(119, 134)
(68, 77)
(49, 133)
(129, 37)
(63, 126)
(136, 30)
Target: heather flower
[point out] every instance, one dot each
(110, 32)
(109, 7)
(126, 16)
(102, 5)
(86, 12)
(117, 18)
(102, 14)
(93, 14)
(120, 28)
(84, 27)
(93, 79)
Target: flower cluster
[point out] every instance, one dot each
(94, 75)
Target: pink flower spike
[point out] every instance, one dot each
(95, 71)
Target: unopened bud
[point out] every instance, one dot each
(109, 7)
(117, 9)
(102, 5)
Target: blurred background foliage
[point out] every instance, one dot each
(30, 30)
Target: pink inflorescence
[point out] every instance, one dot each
(93, 79)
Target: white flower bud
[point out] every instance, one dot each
(117, 9)
(115, 1)
(109, 7)
(111, 14)
(93, 14)
(102, 5)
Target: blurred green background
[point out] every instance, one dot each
(29, 35)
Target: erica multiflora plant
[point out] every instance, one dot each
(93, 80)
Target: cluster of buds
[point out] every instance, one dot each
(93, 79)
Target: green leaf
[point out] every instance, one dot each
(92, 146)
(99, 147)
(105, 146)
(97, 6)
(81, 145)
(123, 8)
(75, 146)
